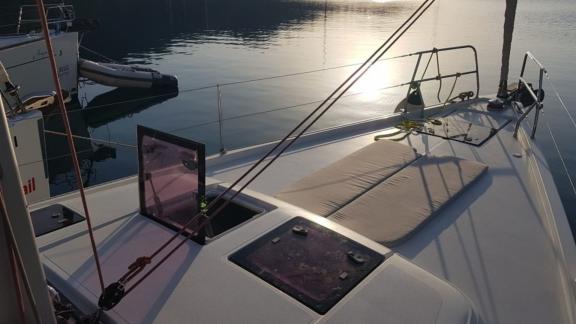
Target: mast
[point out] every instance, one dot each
(25, 242)
(509, 16)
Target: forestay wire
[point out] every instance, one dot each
(114, 293)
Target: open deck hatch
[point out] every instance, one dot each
(171, 179)
(309, 262)
(52, 218)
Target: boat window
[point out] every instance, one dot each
(309, 262)
(171, 174)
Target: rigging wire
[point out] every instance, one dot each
(551, 133)
(91, 139)
(213, 86)
(556, 146)
(98, 54)
(289, 139)
(557, 94)
(438, 75)
(55, 157)
(562, 160)
(23, 23)
(60, 99)
(133, 146)
(350, 80)
(278, 109)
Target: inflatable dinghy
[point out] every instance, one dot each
(126, 76)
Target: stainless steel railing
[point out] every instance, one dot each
(57, 14)
(439, 77)
(538, 96)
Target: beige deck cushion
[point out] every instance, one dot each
(332, 187)
(394, 209)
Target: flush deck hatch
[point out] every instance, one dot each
(311, 263)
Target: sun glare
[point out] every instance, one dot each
(371, 86)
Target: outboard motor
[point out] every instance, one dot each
(165, 82)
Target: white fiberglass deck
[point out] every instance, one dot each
(493, 242)
(502, 243)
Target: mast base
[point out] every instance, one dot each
(503, 89)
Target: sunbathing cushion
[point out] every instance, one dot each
(394, 209)
(332, 187)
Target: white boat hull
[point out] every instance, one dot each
(28, 142)
(25, 58)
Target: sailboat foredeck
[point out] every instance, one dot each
(491, 242)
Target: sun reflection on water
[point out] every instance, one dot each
(373, 83)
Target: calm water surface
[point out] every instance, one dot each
(206, 43)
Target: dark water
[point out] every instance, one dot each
(210, 42)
